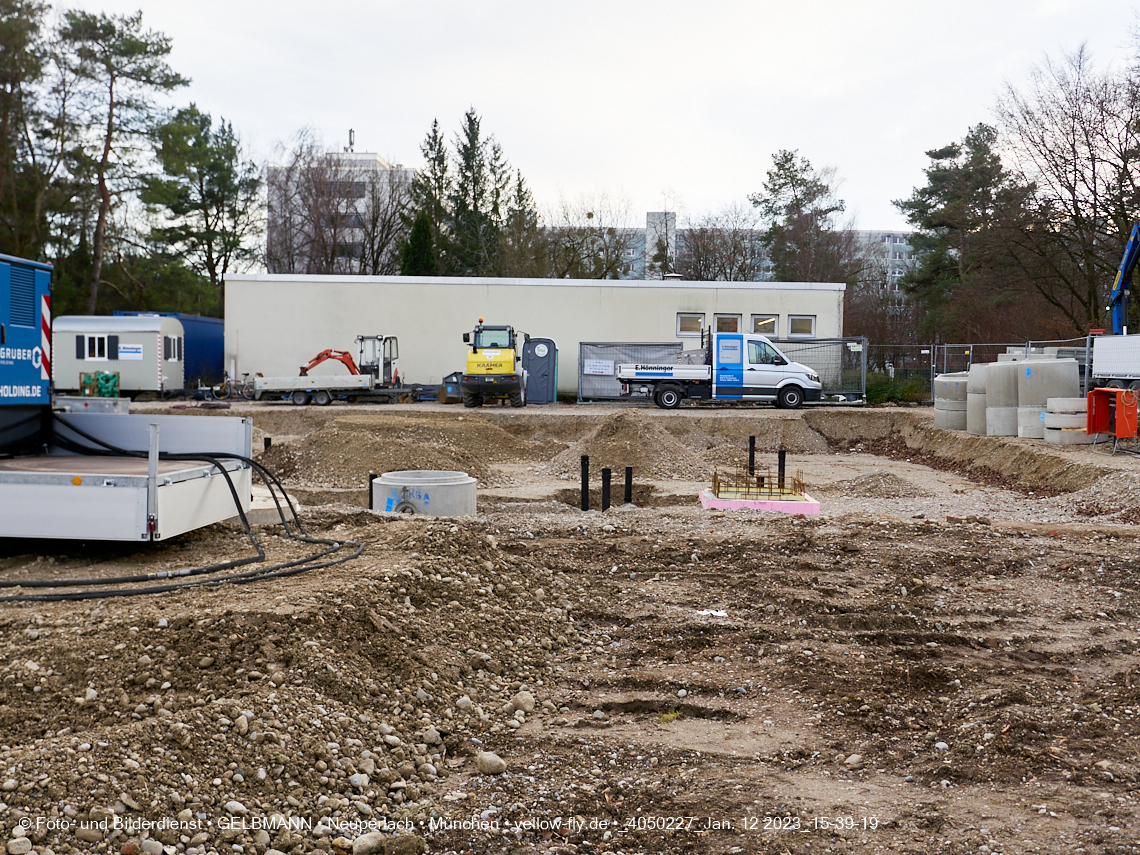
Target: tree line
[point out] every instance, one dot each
(1018, 226)
(136, 206)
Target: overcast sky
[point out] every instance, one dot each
(671, 104)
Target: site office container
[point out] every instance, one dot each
(205, 340)
(147, 352)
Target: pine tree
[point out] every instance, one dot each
(417, 256)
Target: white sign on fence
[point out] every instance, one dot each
(601, 367)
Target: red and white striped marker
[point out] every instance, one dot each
(45, 337)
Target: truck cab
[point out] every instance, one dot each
(494, 368)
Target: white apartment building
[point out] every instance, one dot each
(335, 213)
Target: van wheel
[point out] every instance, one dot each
(790, 397)
(669, 398)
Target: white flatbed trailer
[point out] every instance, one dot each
(322, 388)
(79, 497)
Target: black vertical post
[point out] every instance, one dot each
(371, 478)
(782, 457)
(585, 482)
(751, 455)
(606, 473)
(268, 442)
(629, 485)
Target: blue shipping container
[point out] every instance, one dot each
(205, 344)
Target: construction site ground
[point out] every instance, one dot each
(946, 659)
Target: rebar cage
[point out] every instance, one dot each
(758, 486)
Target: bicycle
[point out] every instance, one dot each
(231, 389)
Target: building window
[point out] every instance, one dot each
(766, 324)
(172, 348)
(690, 324)
(801, 326)
(727, 323)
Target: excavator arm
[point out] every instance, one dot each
(1118, 298)
(339, 355)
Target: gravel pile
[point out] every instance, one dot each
(631, 439)
(337, 700)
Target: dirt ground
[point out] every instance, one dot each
(946, 659)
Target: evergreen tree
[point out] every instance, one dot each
(417, 256)
(208, 193)
(478, 222)
(798, 208)
(124, 67)
(967, 282)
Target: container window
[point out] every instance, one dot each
(690, 324)
(727, 323)
(172, 348)
(766, 324)
(801, 325)
(96, 348)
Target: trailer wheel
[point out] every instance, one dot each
(322, 398)
(471, 399)
(299, 398)
(669, 398)
(1134, 385)
(790, 397)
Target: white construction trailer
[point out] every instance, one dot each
(147, 351)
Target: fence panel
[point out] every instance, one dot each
(598, 361)
(903, 362)
(841, 363)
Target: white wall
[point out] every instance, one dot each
(276, 323)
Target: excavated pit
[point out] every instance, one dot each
(948, 650)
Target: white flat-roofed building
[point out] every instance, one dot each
(275, 323)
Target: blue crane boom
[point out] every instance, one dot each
(1118, 298)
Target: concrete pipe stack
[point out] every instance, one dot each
(1065, 421)
(1037, 382)
(1001, 398)
(950, 401)
(976, 400)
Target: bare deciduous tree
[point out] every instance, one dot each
(1073, 136)
(723, 247)
(587, 240)
(332, 214)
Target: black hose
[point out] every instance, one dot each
(274, 571)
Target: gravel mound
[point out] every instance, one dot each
(631, 439)
(875, 485)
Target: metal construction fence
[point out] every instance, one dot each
(924, 362)
(840, 362)
(598, 361)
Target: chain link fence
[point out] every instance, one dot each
(919, 364)
(598, 362)
(841, 363)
